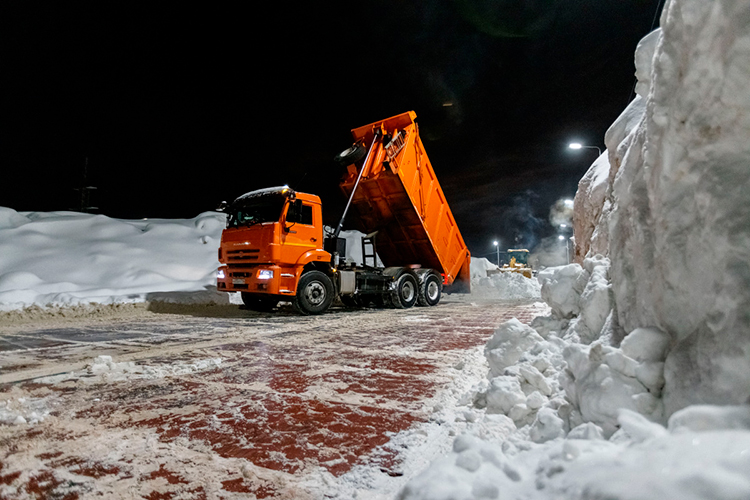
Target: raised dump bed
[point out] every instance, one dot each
(400, 197)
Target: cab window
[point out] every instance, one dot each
(304, 216)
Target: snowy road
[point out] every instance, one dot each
(223, 403)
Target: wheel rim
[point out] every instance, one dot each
(315, 293)
(432, 290)
(407, 291)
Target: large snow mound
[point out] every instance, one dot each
(607, 396)
(673, 210)
(70, 258)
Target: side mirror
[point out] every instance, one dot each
(293, 214)
(222, 206)
(296, 209)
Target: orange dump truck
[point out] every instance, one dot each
(274, 247)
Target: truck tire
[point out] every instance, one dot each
(314, 293)
(406, 291)
(430, 289)
(351, 155)
(258, 302)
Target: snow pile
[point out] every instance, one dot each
(674, 213)
(17, 409)
(605, 397)
(646, 460)
(571, 410)
(479, 267)
(103, 370)
(69, 258)
(488, 283)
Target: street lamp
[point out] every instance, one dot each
(567, 249)
(497, 246)
(578, 145)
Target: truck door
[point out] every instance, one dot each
(302, 234)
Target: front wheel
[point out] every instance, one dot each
(314, 293)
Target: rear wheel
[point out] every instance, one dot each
(406, 291)
(430, 290)
(259, 303)
(314, 293)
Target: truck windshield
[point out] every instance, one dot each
(255, 210)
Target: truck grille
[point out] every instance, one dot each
(245, 255)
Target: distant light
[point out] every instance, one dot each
(495, 243)
(447, 104)
(578, 145)
(561, 237)
(563, 225)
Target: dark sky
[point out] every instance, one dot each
(178, 108)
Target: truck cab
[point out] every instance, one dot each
(272, 235)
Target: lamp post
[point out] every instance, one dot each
(578, 145)
(567, 249)
(497, 247)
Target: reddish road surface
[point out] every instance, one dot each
(223, 407)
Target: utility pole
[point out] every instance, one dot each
(84, 192)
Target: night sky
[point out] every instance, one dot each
(178, 108)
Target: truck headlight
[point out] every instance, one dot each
(265, 274)
(220, 274)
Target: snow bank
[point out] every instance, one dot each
(674, 213)
(69, 258)
(486, 283)
(602, 393)
(570, 409)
